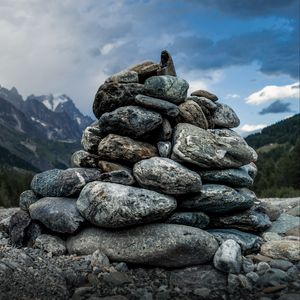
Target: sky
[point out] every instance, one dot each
(246, 52)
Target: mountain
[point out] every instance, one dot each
(278, 148)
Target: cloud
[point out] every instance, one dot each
(232, 96)
(276, 107)
(252, 127)
(274, 92)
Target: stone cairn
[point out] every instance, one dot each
(162, 180)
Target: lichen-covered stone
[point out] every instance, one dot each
(84, 159)
(194, 219)
(166, 176)
(57, 213)
(164, 148)
(113, 205)
(121, 148)
(119, 176)
(125, 76)
(26, 199)
(225, 117)
(107, 166)
(91, 138)
(162, 245)
(206, 94)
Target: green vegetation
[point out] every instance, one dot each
(278, 148)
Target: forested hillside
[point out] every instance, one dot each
(278, 148)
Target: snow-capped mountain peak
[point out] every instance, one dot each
(53, 101)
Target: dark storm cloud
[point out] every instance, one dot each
(276, 107)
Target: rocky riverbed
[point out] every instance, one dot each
(43, 270)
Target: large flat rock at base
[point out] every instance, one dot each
(166, 176)
(63, 183)
(219, 199)
(114, 205)
(56, 213)
(162, 245)
(210, 149)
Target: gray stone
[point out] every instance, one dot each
(225, 117)
(271, 210)
(210, 149)
(91, 138)
(191, 112)
(249, 242)
(114, 205)
(204, 103)
(281, 264)
(112, 95)
(271, 236)
(121, 267)
(206, 94)
(239, 286)
(167, 87)
(125, 76)
(119, 176)
(194, 219)
(247, 265)
(116, 147)
(166, 176)
(249, 220)
(63, 183)
(131, 121)
(18, 223)
(51, 244)
(219, 199)
(107, 166)
(145, 70)
(162, 106)
(273, 277)
(99, 260)
(284, 223)
(228, 257)
(262, 267)
(289, 296)
(164, 149)
(57, 214)
(232, 177)
(84, 159)
(163, 245)
(251, 169)
(253, 277)
(26, 199)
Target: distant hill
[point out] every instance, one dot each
(278, 148)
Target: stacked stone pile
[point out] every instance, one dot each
(162, 179)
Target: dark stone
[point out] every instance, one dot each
(225, 117)
(57, 214)
(63, 183)
(166, 66)
(107, 166)
(145, 70)
(194, 219)
(113, 205)
(91, 138)
(119, 176)
(249, 242)
(210, 149)
(273, 277)
(162, 245)
(206, 94)
(219, 199)
(164, 132)
(162, 106)
(166, 176)
(133, 121)
(26, 199)
(116, 147)
(112, 95)
(167, 87)
(164, 149)
(84, 159)
(18, 224)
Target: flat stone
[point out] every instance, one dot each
(132, 121)
(283, 249)
(273, 277)
(107, 166)
(210, 149)
(125, 76)
(164, 149)
(249, 242)
(84, 159)
(274, 289)
(194, 219)
(63, 183)
(284, 223)
(219, 199)
(51, 244)
(271, 236)
(120, 176)
(206, 94)
(166, 66)
(26, 199)
(258, 258)
(112, 95)
(232, 177)
(162, 106)
(167, 87)
(162, 245)
(57, 213)
(166, 176)
(228, 257)
(249, 220)
(91, 138)
(114, 205)
(116, 147)
(191, 112)
(281, 264)
(145, 70)
(225, 117)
